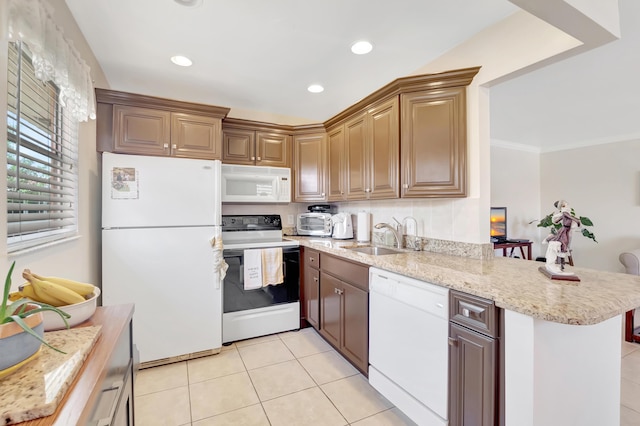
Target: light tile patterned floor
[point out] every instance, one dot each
(293, 378)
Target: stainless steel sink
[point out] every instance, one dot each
(374, 251)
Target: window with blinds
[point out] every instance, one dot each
(42, 180)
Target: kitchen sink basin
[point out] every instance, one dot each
(374, 251)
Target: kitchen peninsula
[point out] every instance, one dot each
(561, 340)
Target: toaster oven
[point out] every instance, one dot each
(316, 224)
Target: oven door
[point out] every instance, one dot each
(236, 298)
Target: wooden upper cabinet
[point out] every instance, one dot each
(238, 146)
(355, 140)
(128, 123)
(273, 149)
(434, 143)
(336, 170)
(256, 144)
(309, 153)
(384, 150)
(141, 130)
(364, 154)
(195, 136)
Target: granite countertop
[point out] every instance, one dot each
(36, 389)
(513, 284)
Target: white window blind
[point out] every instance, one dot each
(42, 180)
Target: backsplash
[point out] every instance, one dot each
(439, 222)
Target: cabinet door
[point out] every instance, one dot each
(330, 309)
(336, 166)
(273, 149)
(312, 296)
(472, 377)
(196, 136)
(355, 326)
(309, 167)
(355, 139)
(141, 130)
(433, 143)
(384, 148)
(238, 146)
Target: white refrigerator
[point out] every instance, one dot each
(162, 251)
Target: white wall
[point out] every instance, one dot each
(601, 182)
(515, 184)
(79, 258)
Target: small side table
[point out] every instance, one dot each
(513, 246)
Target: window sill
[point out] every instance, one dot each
(28, 250)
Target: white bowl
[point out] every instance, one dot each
(79, 312)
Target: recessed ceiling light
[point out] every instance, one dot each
(315, 88)
(183, 61)
(189, 3)
(361, 47)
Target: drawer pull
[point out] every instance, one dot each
(115, 386)
(439, 305)
(465, 312)
(453, 342)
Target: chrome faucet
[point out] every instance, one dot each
(396, 235)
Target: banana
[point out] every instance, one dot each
(29, 291)
(15, 295)
(83, 289)
(46, 288)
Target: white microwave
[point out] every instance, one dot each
(255, 184)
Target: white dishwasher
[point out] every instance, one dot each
(408, 345)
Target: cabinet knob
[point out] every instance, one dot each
(174, 146)
(341, 192)
(453, 342)
(311, 259)
(315, 279)
(405, 185)
(165, 146)
(338, 291)
(465, 312)
(367, 190)
(322, 194)
(259, 158)
(253, 158)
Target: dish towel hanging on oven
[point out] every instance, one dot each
(252, 269)
(272, 266)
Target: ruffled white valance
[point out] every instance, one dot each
(54, 57)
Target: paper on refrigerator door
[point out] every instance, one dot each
(252, 269)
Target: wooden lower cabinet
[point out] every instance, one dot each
(311, 290)
(472, 369)
(476, 363)
(344, 308)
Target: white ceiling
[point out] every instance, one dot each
(260, 55)
(590, 98)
